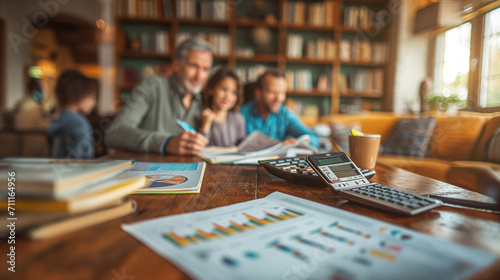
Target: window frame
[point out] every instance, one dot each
(475, 59)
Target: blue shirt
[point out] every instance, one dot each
(71, 136)
(281, 125)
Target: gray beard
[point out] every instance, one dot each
(190, 89)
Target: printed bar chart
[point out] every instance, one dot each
(232, 228)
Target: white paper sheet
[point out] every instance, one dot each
(285, 237)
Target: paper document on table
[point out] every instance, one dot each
(256, 141)
(255, 147)
(284, 237)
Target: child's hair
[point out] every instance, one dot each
(72, 86)
(215, 79)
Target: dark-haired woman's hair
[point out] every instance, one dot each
(215, 79)
(72, 86)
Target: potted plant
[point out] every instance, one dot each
(450, 104)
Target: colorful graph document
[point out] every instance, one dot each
(170, 177)
(285, 237)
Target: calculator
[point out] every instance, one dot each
(345, 179)
(297, 170)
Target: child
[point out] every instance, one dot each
(221, 123)
(71, 133)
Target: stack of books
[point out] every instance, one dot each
(49, 197)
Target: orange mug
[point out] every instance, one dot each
(364, 150)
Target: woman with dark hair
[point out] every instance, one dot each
(221, 122)
(71, 132)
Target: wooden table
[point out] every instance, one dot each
(107, 252)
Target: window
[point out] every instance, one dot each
(474, 44)
(490, 73)
(451, 69)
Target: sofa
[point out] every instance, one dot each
(455, 151)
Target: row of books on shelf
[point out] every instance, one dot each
(250, 74)
(299, 80)
(359, 17)
(309, 110)
(206, 10)
(318, 14)
(220, 41)
(143, 8)
(146, 42)
(367, 82)
(56, 196)
(302, 80)
(315, 49)
(363, 51)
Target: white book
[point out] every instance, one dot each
(345, 50)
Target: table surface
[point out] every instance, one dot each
(105, 251)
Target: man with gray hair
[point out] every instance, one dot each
(147, 124)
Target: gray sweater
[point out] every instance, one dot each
(148, 118)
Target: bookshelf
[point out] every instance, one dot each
(334, 52)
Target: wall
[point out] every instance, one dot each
(17, 15)
(411, 59)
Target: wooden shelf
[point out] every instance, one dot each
(132, 54)
(364, 2)
(313, 92)
(360, 63)
(256, 23)
(145, 20)
(238, 25)
(309, 61)
(360, 93)
(350, 29)
(309, 27)
(200, 22)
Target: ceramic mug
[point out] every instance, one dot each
(364, 150)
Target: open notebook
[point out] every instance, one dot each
(255, 147)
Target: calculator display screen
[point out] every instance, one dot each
(330, 160)
(347, 174)
(336, 168)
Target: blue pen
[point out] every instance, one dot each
(185, 126)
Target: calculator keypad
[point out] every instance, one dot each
(393, 199)
(294, 165)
